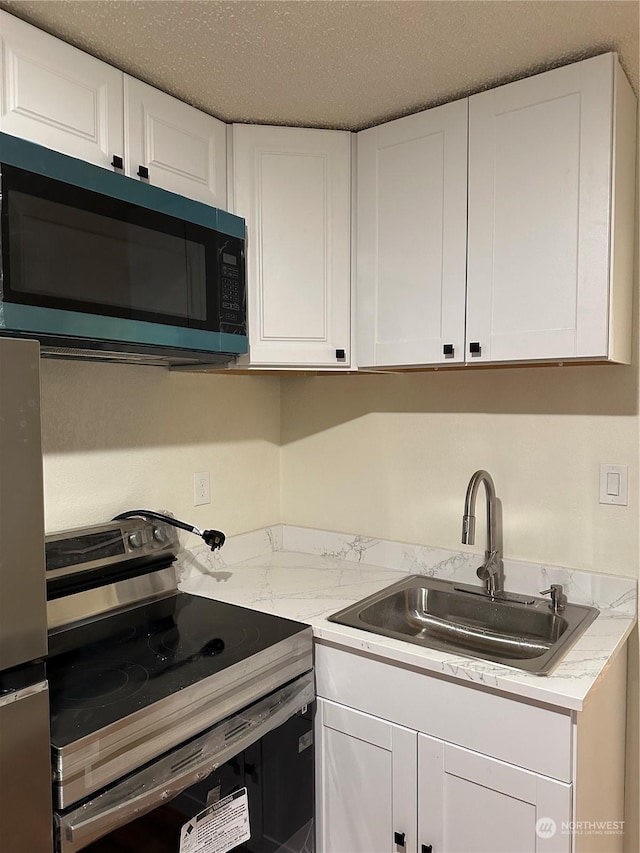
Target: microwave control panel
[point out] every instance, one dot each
(232, 287)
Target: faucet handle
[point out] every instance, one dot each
(558, 598)
(490, 567)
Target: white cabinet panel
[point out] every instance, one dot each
(443, 709)
(293, 187)
(366, 782)
(183, 148)
(549, 233)
(490, 778)
(376, 778)
(292, 190)
(58, 96)
(64, 99)
(540, 195)
(411, 233)
(469, 803)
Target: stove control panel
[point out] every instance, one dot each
(101, 546)
(136, 539)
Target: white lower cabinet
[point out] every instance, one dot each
(368, 782)
(384, 788)
(411, 762)
(471, 803)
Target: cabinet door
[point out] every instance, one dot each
(293, 187)
(366, 782)
(540, 154)
(58, 96)
(469, 803)
(183, 149)
(412, 238)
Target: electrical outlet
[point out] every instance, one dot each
(201, 488)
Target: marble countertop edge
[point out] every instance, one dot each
(564, 687)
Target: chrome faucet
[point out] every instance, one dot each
(491, 570)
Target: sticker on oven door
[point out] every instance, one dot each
(218, 828)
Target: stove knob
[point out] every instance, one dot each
(160, 535)
(135, 539)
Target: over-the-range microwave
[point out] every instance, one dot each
(98, 265)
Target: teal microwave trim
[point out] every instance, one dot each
(229, 223)
(51, 164)
(75, 324)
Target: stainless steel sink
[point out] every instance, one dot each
(511, 629)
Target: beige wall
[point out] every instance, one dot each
(388, 456)
(119, 437)
(391, 456)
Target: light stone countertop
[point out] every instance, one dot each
(310, 587)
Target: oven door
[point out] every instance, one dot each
(271, 742)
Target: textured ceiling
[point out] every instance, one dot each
(335, 63)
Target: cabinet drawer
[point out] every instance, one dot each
(527, 735)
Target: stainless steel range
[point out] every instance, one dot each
(155, 692)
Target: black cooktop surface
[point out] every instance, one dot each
(107, 669)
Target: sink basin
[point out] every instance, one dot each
(515, 629)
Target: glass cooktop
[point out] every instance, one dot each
(107, 669)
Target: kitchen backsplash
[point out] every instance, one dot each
(603, 591)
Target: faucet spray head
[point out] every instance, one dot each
(468, 529)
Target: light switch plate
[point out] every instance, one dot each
(614, 484)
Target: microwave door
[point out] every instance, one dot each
(74, 250)
(61, 256)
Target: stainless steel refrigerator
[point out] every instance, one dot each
(25, 764)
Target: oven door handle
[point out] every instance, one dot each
(169, 776)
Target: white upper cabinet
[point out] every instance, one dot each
(62, 98)
(498, 228)
(58, 96)
(551, 171)
(183, 149)
(550, 230)
(293, 187)
(411, 239)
